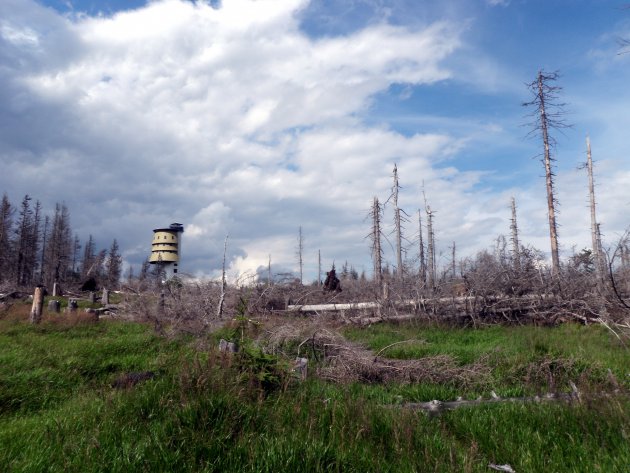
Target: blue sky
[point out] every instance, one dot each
(255, 117)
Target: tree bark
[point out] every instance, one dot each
(38, 302)
(595, 238)
(377, 252)
(516, 251)
(105, 298)
(223, 282)
(431, 248)
(397, 223)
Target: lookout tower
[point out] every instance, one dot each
(166, 248)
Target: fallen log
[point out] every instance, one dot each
(377, 320)
(332, 307)
(436, 407)
(446, 301)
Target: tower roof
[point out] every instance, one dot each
(174, 227)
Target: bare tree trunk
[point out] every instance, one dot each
(595, 238)
(551, 207)
(431, 248)
(453, 270)
(377, 252)
(421, 255)
(269, 271)
(319, 268)
(516, 248)
(300, 250)
(548, 114)
(399, 263)
(222, 296)
(600, 250)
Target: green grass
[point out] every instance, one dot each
(524, 359)
(202, 412)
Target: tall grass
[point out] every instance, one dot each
(205, 411)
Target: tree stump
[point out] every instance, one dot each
(54, 306)
(105, 298)
(225, 346)
(56, 290)
(38, 303)
(92, 297)
(301, 367)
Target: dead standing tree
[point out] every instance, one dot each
(548, 114)
(431, 248)
(299, 251)
(376, 214)
(397, 225)
(223, 281)
(421, 255)
(516, 249)
(595, 235)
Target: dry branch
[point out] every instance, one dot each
(346, 362)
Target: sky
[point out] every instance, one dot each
(253, 118)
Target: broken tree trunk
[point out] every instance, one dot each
(105, 298)
(54, 306)
(38, 302)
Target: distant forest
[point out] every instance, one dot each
(42, 249)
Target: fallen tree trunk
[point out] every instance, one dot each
(436, 407)
(377, 320)
(332, 307)
(446, 301)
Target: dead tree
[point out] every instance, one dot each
(223, 282)
(595, 236)
(516, 251)
(299, 253)
(397, 224)
(548, 114)
(430, 246)
(376, 214)
(319, 268)
(421, 255)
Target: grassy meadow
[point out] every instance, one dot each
(208, 411)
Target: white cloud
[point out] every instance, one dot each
(233, 121)
(230, 119)
(495, 3)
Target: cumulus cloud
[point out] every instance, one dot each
(231, 120)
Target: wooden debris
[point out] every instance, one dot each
(301, 367)
(225, 346)
(506, 468)
(437, 407)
